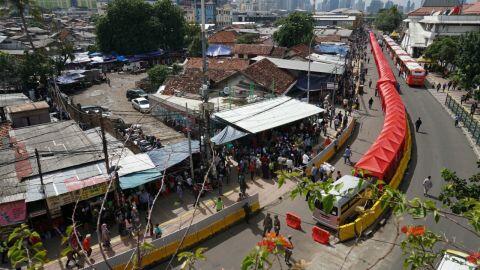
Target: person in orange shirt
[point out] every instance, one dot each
(87, 245)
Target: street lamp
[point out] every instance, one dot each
(309, 64)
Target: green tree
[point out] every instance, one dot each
(64, 52)
(134, 26)
(157, 75)
(26, 248)
(443, 50)
(193, 39)
(467, 60)
(35, 69)
(295, 29)
(247, 38)
(127, 28)
(9, 68)
(169, 25)
(189, 259)
(388, 19)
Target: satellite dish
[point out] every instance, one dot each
(226, 90)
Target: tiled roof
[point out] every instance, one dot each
(218, 68)
(328, 38)
(223, 37)
(472, 9)
(300, 50)
(266, 74)
(278, 52)
(190, 82)
(255, 49)
(218, 63)
(425, 11)
(440, 3)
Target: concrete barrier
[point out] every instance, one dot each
(330, 150)
(351, 230)
(199, 231)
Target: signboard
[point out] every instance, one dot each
(12, 212)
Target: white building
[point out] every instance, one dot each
(224, 15)
(426, 24)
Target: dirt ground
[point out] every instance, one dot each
(113, 97)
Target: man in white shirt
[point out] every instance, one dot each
(305, 159)
(427, 185)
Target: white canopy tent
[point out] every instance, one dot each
(268, 114)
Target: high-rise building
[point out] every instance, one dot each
(389, 4)
(348, 3)
(332, 4)
(375, 6)
(360, 5)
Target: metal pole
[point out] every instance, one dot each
(309, 64)
(204, 45)
(40, 174)
(189, 142)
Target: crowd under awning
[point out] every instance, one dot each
(228, 134)
(264, 115)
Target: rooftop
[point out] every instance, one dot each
(25, 107)
(223, 37)
(218, 63)
(268, 75)
(303, 65)
(258, 49)
(61, 144)
(13, 99)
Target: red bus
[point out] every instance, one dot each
(414, 74)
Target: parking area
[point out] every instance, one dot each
(113, 97)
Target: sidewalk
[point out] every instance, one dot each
(441, 97)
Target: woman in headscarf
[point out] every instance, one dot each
(105, 235)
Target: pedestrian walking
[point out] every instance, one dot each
(473, 108)
(427, 185)
(418, 123)
(219, 204)
(246, 209)
(347, 155)
(180, 192)
(105, 236)
(267, 224)
(370, 103)
(276, 225)
(370, 83)
(376, 91)
(288, 250)
(86, 244)
(457, 119)
(157, 231)
(449, 85)
(444, 87)
(339, 175)
(438, 86)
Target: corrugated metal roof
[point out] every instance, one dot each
(303, 65)
(13, 99)
(27, 107)
(268, 114)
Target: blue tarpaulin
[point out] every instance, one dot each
(139, 178)
(172, 154)
(218, 50)
(228, 134)
(327, 48)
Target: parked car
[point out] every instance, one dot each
(136, 93)
(141, 104)
(94, 109)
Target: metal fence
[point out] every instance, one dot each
(470, 123)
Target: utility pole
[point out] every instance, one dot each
(40, 174)
(204, 90)
(189, 143)
(104, 144)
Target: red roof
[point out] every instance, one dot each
(268, 75)
(471, 9)
(259, 49)
(218, 68)
(223, 37)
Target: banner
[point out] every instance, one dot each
(12, 213)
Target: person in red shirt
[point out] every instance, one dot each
(86, 245)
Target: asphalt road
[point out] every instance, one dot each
(438, 145)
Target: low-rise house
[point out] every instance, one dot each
(247, 51)
(223, 37)
(28, 114)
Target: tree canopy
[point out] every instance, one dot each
(157, 75)
(295, 29)
(134, 26)
(467, 60)
(388, 19)
(443, 50)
